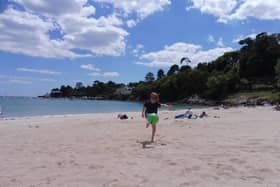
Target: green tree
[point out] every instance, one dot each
(79, 85)
(149, 77)
(277, 73)
(185, 68)
(258, 57)
(66, 91)
(173, 70)
(221, 84)
(160, 74)
(168, 89)
(55, 93)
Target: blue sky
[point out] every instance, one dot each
(45, 44)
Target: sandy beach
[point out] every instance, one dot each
(238, 147)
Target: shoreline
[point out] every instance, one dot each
(97, 113)
(180, 110)
(85, 115)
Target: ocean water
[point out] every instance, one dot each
(24, 106)
(28, 106)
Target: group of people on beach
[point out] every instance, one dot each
(150, 112)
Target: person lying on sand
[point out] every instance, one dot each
(150, 112)
(188, 114)
(122, 116)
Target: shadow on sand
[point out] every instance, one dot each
(149, 144)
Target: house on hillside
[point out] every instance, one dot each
(125, 90)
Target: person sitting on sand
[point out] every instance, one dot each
(277, 107)
(203, 114)
(150, 112)
(189, 113)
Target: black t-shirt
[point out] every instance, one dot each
(151, 107)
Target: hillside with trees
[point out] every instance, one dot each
(253, 69)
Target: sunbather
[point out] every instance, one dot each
(203, 114)
(277, 107)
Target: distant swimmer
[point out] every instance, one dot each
(1, 111)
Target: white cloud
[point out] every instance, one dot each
(142, 8)
(22, 80)
(25, 33)
(211, 38)
(56, 8)
(241, 37)
(102, 36)
(89, 67)
(111, 74)
(105, 74)
(95, 74)
(18, 81)
(218, 8)
(41, 71)
(172, 55)
(47, 80)
(260, 9)
(220, 42)
(227, 10)
(28, 32)
(138, 50)
(131, 23)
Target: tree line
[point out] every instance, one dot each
(255, 66)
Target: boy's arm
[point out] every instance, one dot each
(143, 112)
(166, 105)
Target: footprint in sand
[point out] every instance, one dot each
(143, 179)
(264, 171)
(110, 183)
(255, 178)
(225, 170)
(60, 164)
(172, 163)
(132, 163)
(195, 168)
(193, 183)
(208, 176)
(13, 180)
(191, 169)
(237, 161)
(49, 179)
(185, 184)
(95, 167)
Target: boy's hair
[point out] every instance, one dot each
(154, 96)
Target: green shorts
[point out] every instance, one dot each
(153, 118)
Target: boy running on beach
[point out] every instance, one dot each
(150, 111)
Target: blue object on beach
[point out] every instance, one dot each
(180, 116)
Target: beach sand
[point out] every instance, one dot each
(240, 147)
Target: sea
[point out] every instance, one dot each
(33, 106)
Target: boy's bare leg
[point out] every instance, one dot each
(154, 128)
(147, 124)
